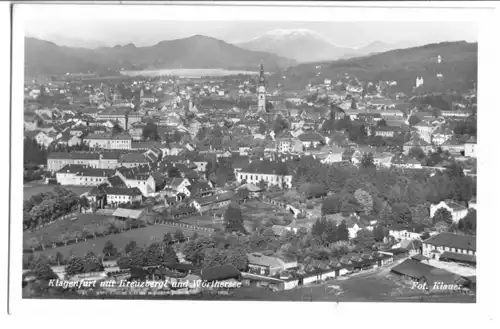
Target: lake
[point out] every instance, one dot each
(189, 73)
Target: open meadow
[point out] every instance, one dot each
(33, 188)
(142, 236)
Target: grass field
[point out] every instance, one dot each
(88, 221)
(142, 236)
(33, 188)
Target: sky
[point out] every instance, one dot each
(91, 33)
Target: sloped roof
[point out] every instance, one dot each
(128, 213)
(453, 241)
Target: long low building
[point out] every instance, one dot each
(109, 141)
(451, 246)
(99, 160)
(273, 173)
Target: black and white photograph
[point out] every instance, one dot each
(247, 153)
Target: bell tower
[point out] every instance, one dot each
(261, 90)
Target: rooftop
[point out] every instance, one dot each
(451, 240)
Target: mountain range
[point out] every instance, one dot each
(304, 45)
(44, 57)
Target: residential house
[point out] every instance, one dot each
(384, 131)
(204, 204)
(405, 162)
(334, 155)
(311, 139)
(130, 160)
(441, 135)
(138, 177)
(424, 145)
(288, 145)
(40, 137)
(383, 159)
(115, 195)
(456, 210)
(411, 232)
(425, 130)
(69, 140)
(454, 145)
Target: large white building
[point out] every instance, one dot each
(273, 173)
(80, 175)
(104, 160)
(457, 210)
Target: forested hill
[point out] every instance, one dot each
(458, 67)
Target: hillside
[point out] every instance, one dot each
(459, 68)
(42, 57)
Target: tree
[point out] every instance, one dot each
(401, 213)
(416, 152)
(150, 131)
(342, 232)
(43, 271)
(92, 263)
(233, 219)
(84, 202)
(109, 249)
(117, 129)
(130, 246)
(75, 265)
(442, 215)
(367, 160)
(243, 193)
(59, 258)
(365, 239)
(262, 128)
(237, 257)
(365, 200)
(381, 123)
(354, 106)
(124, 262)
(262, 184)
(137, 257)
(169, 255)
(178, 235)
(311, 190)
(379, 233)
(468, 224)
(153, 255)
(413, 120)
(279, 125)
(202, 133)
(330, 205)
(385, 216)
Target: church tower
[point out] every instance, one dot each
(261, 90)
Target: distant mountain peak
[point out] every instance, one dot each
(290, 33)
